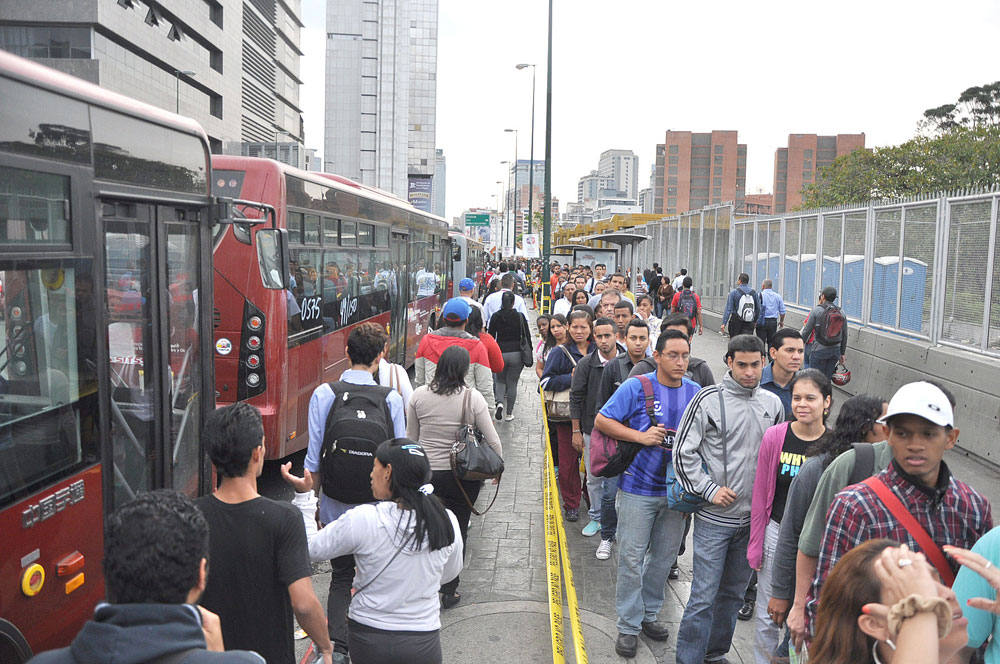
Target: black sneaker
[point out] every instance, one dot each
(746, 611)
(499, 413)
(674, 573)
(627, 645)
(572, 515)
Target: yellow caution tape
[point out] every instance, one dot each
(556, 553)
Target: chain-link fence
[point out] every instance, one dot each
(925, 268)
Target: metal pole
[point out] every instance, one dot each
(517, 203)
(547, 215)
(531, 167)
(177, 93)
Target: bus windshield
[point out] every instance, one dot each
(47, 376)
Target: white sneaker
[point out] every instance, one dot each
(604, 550)
(509, 417)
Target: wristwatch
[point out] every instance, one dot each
(577, 431)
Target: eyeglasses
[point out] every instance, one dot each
(674, 357)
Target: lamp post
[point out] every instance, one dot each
(515, 204)
(547, 218)
(531, 167)
(177, 87)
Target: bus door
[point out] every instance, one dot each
(400, 298)
(154, 366)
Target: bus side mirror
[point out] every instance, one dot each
(272, 257)
(223, 211)
(456, 253)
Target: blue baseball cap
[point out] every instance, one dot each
(466, 284)
(455, 310)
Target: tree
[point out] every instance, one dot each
(958, 146)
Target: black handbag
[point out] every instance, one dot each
(527, 357)
(472, 459)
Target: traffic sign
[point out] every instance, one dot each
(477, 220)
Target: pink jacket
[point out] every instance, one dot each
(763, 490)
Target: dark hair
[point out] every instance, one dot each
(581, 293)
(153, 547)
(744, 343)
(637, 322)
(540, 317)
(684, 270)
(365, 342)
(778, 339)
(855, 420)
(584, 307)
(642, 298)
(507, 280)
(667, 335)
(687, 283)
(410, 471)
(624, 303)
(604, 320)
(744, 278)
(576, 314)
(550, 339)
(676, 320)
(616, 274)
(503, 266)
(230, 436)
(817, 378)
(474, 323)
(851, 584)
(449, 376)
(506, 300)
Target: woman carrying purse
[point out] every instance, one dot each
(435, 413)
(509, 327)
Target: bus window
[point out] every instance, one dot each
(294, 222)
(341, 288)
(310, 230)
(48, 380)
(373, 271)
(331, 232)
(308, 290)
(348, 233)
(34, 207)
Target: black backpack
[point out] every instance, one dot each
(830, 325)
(358, 421)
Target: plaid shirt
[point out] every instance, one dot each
(952, 513)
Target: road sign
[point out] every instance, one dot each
(477, 220)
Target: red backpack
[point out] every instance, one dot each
(830, 325)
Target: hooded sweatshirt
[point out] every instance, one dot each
(479, 375)
(140, 633)
(704, 463)
(403, 591)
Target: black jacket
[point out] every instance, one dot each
(618, 370)
(585, 391)
(141, 634)
(508, 326)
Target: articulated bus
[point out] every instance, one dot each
(105, 250)
(468, 258)
(356, 254)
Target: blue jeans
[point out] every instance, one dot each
(719, 578)
(825, 359)
(598, 488)
(649, 534)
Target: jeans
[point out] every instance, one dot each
(447, 490)
(505, 382)
(598, 487)
(767, 637)
(649, 534)
(719, 577)
(767, 331)
(569, 466)
(824, 358)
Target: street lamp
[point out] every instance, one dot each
(177, 87)
(515, 203)
(531, 168)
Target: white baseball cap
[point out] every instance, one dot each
(924, 400)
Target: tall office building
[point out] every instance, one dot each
(701, 169)
(591, 186)
(232, 65)
(381, 94)
(622, 168)
(656, 178)
(796, 166)
(438, 184)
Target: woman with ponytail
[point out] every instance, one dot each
(405, 546)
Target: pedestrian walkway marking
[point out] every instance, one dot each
(556, 553)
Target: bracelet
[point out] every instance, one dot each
(914, 604)
(577, 431)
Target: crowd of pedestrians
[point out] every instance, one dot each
(852, 532)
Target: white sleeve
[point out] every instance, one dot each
(335, 539)
(453, 566)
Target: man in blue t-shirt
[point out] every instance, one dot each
(649, 533)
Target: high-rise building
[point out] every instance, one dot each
(656, 178)
(646, 200)
(796, 166)
(701, 169)
(438, 184)
(232, 65)
(381, 94)
(622, 168)
(592, 186)
(517, 198)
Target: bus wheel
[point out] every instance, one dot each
(13, 646)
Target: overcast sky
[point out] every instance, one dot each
(625, 71)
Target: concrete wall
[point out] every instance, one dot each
(880, 362)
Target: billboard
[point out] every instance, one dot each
(593, 256)
(531, 248)
(419, 192)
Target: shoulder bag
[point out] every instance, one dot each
(557, 403)
(527, 357)
(472, 459)
(681, 500)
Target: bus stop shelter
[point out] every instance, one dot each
(627, 242)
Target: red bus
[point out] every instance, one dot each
(356, 254)
(105, 250)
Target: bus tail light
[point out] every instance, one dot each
(252, 369)
(71, 564)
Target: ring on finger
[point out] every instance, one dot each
(989, 564)
(905, 562)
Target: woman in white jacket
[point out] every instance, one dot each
(405, 547)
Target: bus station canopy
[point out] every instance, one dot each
(615, 238)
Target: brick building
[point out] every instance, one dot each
(699, 169)
(796, 166)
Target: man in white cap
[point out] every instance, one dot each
(915, 501)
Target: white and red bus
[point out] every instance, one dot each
(106, 233)
(468, 260)
(356, 254)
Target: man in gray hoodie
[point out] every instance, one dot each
(715, 457)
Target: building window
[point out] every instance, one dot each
(807, 164)
(718, 149)
(673, 149)
(673, 159)
(671, 170)
(808, 154)
(807, 175)
(718, 159)
(671, 180)
(671, 202)
(717, 170)
(46, 41)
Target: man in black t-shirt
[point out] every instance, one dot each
(259, 555)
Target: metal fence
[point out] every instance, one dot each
(923, 268)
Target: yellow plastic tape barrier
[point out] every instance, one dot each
(556, 553)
